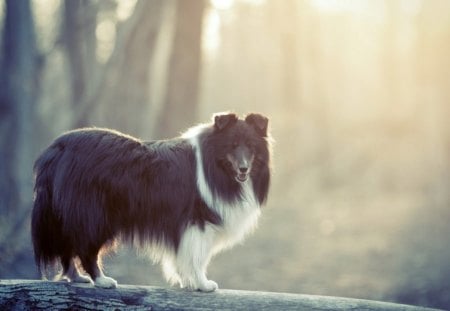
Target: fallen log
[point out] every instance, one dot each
(40, 295)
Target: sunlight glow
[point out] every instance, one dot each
(255, 2)
(106, 34)
(213, 22)
(227, 4)
(45, 12)
(412, 7)
(222, 4)
(125, 9)
(211, 36)
(342, 5)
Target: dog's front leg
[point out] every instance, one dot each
(193, 255)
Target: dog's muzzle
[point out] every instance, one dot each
(242, 175)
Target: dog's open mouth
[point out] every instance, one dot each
(241, 177)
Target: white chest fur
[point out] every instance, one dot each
(198, 245)
(239, 218)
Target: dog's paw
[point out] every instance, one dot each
(105, 282)
(208, 286)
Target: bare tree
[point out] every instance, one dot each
(181, 100)
(122, 90)
(18, 94)
(79, 41)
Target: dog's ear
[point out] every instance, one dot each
(259, 122)
(223, 120)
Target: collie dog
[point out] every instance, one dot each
(183, 199)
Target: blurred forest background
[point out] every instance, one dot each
(357, 91)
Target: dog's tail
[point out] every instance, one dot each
(46, 227)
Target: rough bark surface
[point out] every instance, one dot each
(39, 295)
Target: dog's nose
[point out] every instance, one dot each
(243, 169)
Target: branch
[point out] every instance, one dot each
(37, 295)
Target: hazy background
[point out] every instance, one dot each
(358, 96)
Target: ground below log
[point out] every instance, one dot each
(39, 295)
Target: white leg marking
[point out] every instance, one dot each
(170, 271)
(193, 256)
(105, 282)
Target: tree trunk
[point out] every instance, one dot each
(17, 98)
(121, 95)
(41, 295)
(78, 31)
(181, 101)
(18, 94)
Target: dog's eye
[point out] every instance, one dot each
(250, 144)
(225, 163)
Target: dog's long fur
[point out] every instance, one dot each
(185, 199)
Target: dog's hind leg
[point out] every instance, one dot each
(72, 272)
(91, 263)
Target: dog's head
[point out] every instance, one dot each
(242, 143)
